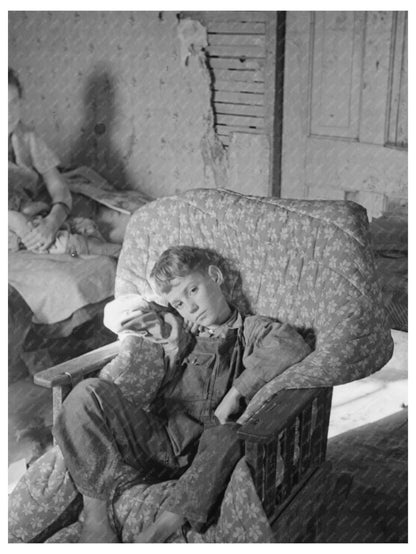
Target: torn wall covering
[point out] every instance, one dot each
(127, 93)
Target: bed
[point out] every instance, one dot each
(56, 301)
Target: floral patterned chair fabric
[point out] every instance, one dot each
(309, 263)
(45, 506)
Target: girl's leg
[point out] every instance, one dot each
(109, 443)
(199, 491)
(96, 527)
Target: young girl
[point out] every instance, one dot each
(39, 198)
(216, 359)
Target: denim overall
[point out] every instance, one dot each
(188, 401)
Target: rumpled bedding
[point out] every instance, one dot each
(56, 285)
(84, 180)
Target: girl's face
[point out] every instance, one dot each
(14, 108)
(199, 299)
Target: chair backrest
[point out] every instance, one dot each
(305, 262)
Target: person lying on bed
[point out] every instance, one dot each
(77, 236)
(39, 198)
(215, 361)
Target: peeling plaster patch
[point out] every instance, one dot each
(193, 40)
(249, 159)
(215, 157)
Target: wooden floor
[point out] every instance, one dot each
(376, 456)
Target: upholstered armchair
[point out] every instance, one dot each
(309, 263)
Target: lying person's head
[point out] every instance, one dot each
(191, 283)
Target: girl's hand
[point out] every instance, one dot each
(229, 405)
(193, 328)
(122, 309)
(157, 327)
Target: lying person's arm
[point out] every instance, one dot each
(271, 348)
(43, 235)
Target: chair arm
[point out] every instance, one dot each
(70, 372)
(280, 412)
(285, 443)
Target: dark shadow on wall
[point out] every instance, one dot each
(95, 147)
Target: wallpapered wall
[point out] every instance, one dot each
(127, 93)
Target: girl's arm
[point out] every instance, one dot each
(271, 348)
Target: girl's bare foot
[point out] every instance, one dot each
(96, 527)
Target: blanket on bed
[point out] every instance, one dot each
(56, 285)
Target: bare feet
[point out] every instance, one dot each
(96, 528)
(164, 526)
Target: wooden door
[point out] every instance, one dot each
(345, 108)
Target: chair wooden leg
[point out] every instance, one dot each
(302, 519)
(59, 393)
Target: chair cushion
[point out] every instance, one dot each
(44, 500)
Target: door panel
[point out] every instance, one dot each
(345, 108)
(336, 52)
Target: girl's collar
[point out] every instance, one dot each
(233, 322)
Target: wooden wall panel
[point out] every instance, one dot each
(241, 55)
(397, 126)
(245, 56)
(336, 55)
